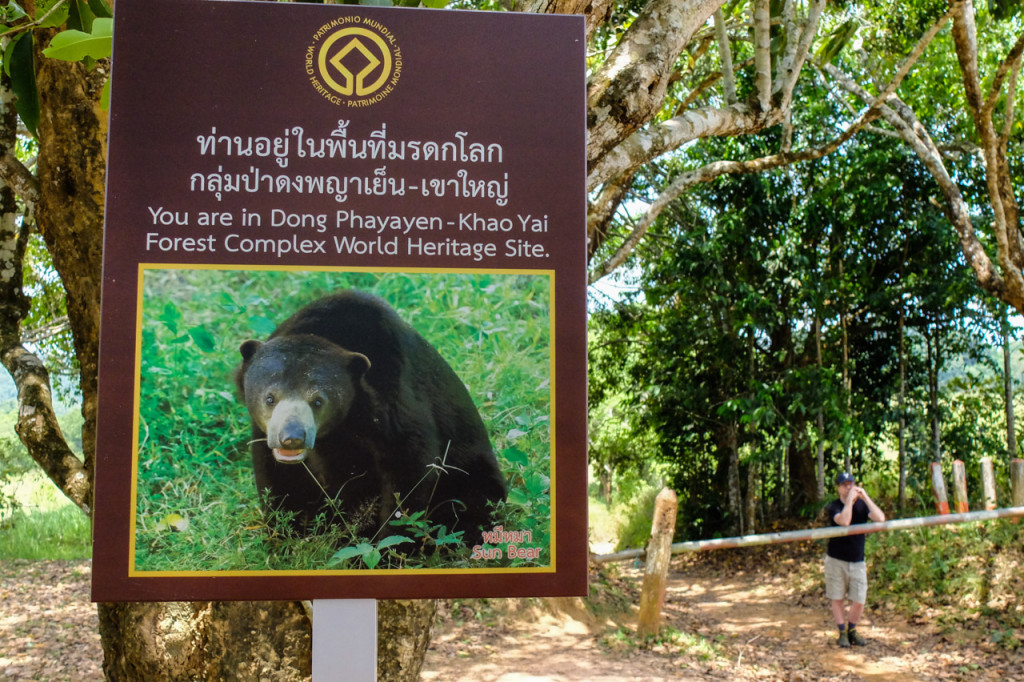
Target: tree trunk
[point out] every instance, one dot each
(271, 641)
(784, 477)
(730, 444)
(1011, 432)
(802, 470)
(752, 479)
(902, 495)
(403, 635)
(205, 640)
(847, 387)
(820, 459)
(72, 169)
(934, 363)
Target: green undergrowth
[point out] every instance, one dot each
(38, 522)
(955, 576)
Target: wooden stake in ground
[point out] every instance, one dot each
(939, 486)
(659, 553)
(960, 487)
(988, 484)
(1017, 482)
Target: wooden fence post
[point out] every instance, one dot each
(988, 484)
(659, 554)
(939, 486)
(960, 487)
(1017, 482)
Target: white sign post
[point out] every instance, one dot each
(344, 640)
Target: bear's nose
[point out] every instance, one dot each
(293, 443)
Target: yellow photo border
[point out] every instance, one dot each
(136, 407)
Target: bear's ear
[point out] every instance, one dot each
(358, 364)
(249, 348)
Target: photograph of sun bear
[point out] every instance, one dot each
(356, 416)
(340, 421)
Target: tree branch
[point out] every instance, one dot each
(15, 175)
(761, 21)
(725, 58)
(1005, 212)
(630, 86)
(642, 146)
(707, 173)
(897, 114)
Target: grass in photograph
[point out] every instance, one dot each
(196, 502)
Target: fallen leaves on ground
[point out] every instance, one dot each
(48, 627)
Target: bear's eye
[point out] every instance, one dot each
(318, 402)
(269, 400)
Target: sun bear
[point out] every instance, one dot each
(356, 416)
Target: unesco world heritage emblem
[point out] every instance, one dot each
(354, 61)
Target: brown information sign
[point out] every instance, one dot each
(343, 345)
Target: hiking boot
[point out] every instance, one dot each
(856, 639)
(844, 640)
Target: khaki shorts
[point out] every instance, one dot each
(846, 579)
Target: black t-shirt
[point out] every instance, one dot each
(847, 547)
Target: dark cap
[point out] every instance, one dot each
(845, 477)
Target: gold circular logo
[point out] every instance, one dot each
(354, 61)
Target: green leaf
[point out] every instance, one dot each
(23, 80)
(446, 538)
(346, 553)
(391, 541)
(371, 558)
(74, 46)
(518, 496)
(228, 304)
(515, 456)
(55, 20)
(170, 317)
(203, 338)
(79, 16)
(435, 4)
(100, 9)
(262, 326)
(537, 484)
(11, 13)
(837, 41)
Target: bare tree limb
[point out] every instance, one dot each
(725, 57)
(630, 86)
(761, 21)
(15, 175)
(705, 174)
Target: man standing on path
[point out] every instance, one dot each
(845, 571)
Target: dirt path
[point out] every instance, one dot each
(48, 627)
(750, 624)
(729, 620)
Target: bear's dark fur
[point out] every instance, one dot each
(375, 413)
